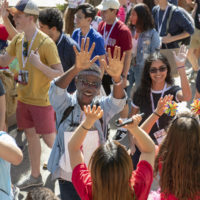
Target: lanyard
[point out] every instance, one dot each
(163, 18)
(152, 102)
(79, 38)
(61, 37)
(104, 33)
(29, 49)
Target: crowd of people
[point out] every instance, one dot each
(119, 58)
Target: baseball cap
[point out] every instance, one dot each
(108, 4)
(25, 6)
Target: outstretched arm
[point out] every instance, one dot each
(82, 62)
(74, 145)
(143, 140)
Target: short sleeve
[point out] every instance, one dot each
(198, 81)
(81, 180)
(2, 90)
(11, 49)
(143, 178)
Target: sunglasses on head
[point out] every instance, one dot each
(154, 70)
(25, 51)
(86, 83)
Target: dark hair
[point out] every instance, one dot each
(94, 68)
(146, 82)
(10, 17)
(178, 158)
(88, 10)
(52, 17)
(145, 20)
(150, 4)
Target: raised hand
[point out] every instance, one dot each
(136, 120)
(181, 56)
(83, 57)
(115, 64)
(3, 10)
(161, 103)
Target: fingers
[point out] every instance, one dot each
(87, 43)
(94, 59)
(94, 111)
(109, 54)
(115, 53)
(103, 64)
(75, 50)
(92, 48)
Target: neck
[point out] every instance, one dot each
(30, 32)
(56, 36)
(111, 21)
(157, 86)
(163, 4)
(85, 30)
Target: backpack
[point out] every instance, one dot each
(8, 81)
(185, 41)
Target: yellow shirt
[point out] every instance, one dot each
(36, 91)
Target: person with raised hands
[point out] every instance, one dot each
(69, 107)
(110, 173)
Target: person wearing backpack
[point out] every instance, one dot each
(175, 26)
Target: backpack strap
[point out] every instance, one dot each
(173, 8)
(66, 113)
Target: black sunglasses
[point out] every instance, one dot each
(86, 83)
(154, 70)
(25, 51)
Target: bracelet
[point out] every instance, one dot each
(180, 67)
(85, 128)
(119, 83)
(157, 114)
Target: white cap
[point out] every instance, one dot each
(108, 4)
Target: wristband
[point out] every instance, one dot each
(85, 128)
(157, 114)
(119, 83)
(180, 67)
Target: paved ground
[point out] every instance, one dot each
(23, 170)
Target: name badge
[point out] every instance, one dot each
(160, 135)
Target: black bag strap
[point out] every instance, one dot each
(66, 113)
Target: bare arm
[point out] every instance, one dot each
(169, 38)
(145, 143)
(185, 94)
(197, 95)
(2, 112)
(10, 153)
(74, 145)
(5, 59)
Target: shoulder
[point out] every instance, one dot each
(68, 40)
(95, 33)
(155, 9)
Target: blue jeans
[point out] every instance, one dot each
(67, 191)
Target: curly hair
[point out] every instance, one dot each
(145, 20)
(179, 158)
(144, 89)
(51, 17)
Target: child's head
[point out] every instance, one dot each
(111, 168)
(41, 193)
(180, 157)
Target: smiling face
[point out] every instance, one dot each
(88, 86)
(158, 72)
(133, 17)
(80, 20)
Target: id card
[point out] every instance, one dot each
(23, 77)
(160, 135)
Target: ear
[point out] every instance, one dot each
(54, 28)
(89, 20)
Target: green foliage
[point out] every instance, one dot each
(61, 7)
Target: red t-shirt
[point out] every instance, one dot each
(142, 179)
(3, 32)
(120, 36)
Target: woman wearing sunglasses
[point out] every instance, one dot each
(157, 82)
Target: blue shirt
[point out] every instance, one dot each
(67, 55)
(60, 100)
(94, 36)
(175, 2)
(5, 179)
(178, 24)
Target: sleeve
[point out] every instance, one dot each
(183, 22)
(2, 90)
(50, 52)
(11, 49)
(125, 39)
(143, 178)
(81, 180)
(99, 45)
(7, 138)
(155, 42)
(174, 91)
(198, 81)
(59, 98)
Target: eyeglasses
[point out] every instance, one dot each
(86, 83)
(154, 70)
(25, 51)
(78, 17)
